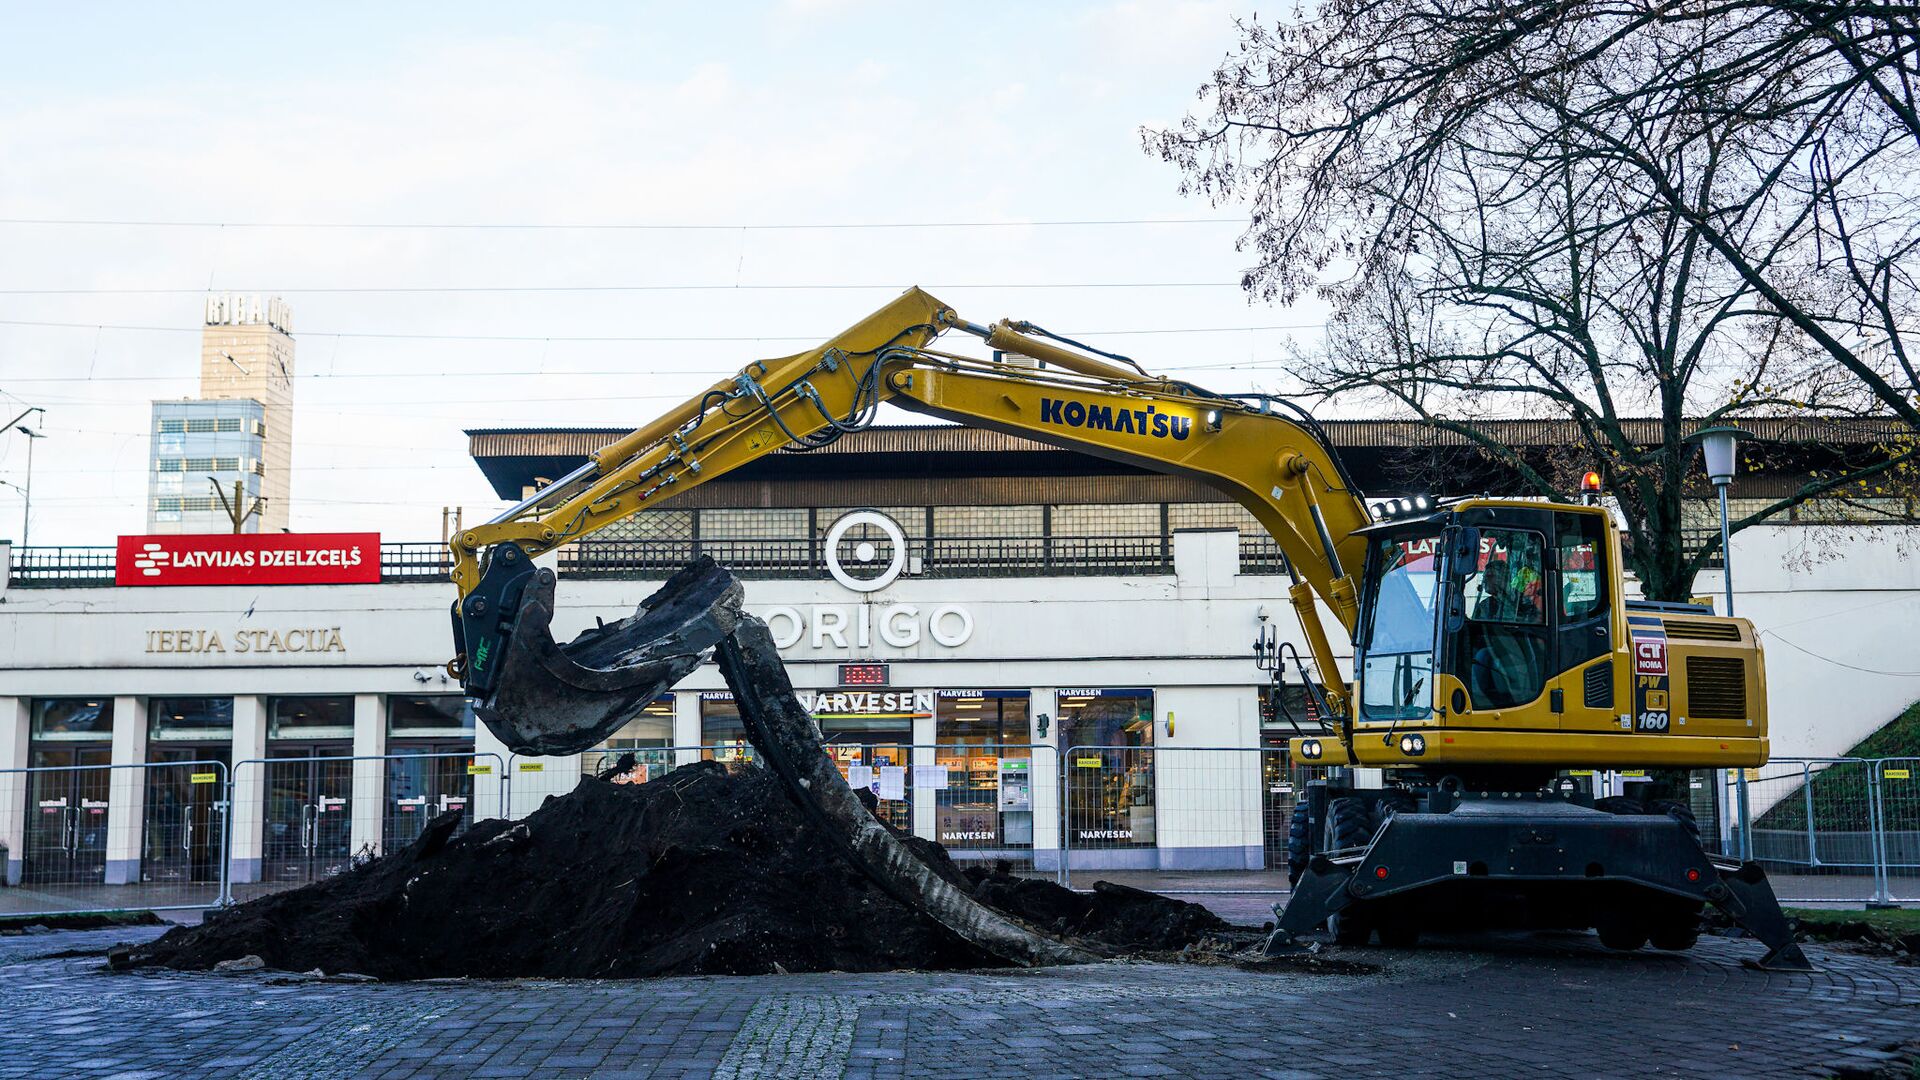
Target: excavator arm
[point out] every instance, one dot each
(542, 697)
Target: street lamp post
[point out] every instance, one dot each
(26, 507)
(1720, 446)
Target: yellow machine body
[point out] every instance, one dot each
(1667, 685)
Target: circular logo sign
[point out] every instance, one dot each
(866, 551)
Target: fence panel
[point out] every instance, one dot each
(298, 820)
(421, 787)
(1897, 797)
(1813, 826)
(1179, 818)
(111, 837)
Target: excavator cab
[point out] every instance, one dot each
(1496, 634)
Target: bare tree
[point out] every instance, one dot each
(1586, 210)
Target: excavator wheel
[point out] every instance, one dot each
(1678, 934)
(1349, 824)
(1349, 928)
(1621, 931)
(1390, 803)
(1299, 848)
(1678, 809)
(1399, 932)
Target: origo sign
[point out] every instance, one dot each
(249, 559)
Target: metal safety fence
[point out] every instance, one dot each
(109, 837)
(301, 819)
(1179, 819)
(1202, 818)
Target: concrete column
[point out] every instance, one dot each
(686, 726)
(1046, 777)
(14, 732)
(369, 776)
(127, 791)
(926, 805)
(1207, 802)
(249, 786)
(492, 791)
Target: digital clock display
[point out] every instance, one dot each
(863, 674)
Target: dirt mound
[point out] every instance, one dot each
(710, 869)
(707, 870)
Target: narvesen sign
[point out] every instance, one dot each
(249, 559)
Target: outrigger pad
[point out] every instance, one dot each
(552, 699)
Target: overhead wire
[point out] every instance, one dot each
(625, 337)
(611, 226)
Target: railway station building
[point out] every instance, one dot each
(1024, 651)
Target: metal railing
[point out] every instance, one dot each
(798, 557)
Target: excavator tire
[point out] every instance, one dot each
(1678, 809)
(1299, 846)
(1390, 803)
(1622, 931)
(1619, 804)
(1677, 935)
(1349, 825)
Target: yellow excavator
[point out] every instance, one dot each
(1494, 648)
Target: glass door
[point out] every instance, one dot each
(66, 839)
(422, 786)
(184, 832)
(309, 816)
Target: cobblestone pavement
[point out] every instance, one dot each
(1492, 1006)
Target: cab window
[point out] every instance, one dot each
(1579, 577)
(1504, 597)
(1507, 583)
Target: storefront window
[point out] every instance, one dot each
(437, 716)
(1107, 741)
(647, 737)
(988, 801)
(310, 718)
(879, 740)
(72, 719)
(722, 735)
(190, 719)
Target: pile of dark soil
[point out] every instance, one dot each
(708, 870)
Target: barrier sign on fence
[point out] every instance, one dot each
(533, 766)
(479, 770)
(204, 778)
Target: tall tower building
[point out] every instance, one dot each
(238, 431)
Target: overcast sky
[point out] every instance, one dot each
(750, 118)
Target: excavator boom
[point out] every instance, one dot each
(543, 697)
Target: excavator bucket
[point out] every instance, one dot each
(541, 697)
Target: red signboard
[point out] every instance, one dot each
(249, 559)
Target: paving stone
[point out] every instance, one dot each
(1543, 1006)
